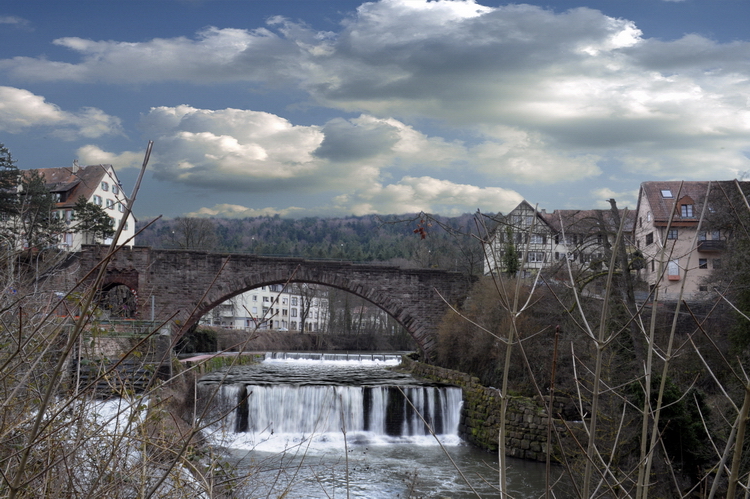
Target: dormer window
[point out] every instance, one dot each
(666, 193)
(686, 210)
(105, 186)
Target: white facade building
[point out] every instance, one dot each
(98, 184)
(273, 307)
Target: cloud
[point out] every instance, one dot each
(15, 21)
(415, 194)
(21, 110)
(93, 155)
(251, 151)
(625, 199)
(237, 211)
(536, 96)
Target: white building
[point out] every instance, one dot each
(549, 239)
(98, 184)
(294, 308)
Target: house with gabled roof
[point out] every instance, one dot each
(679, 250)
(97, 184)
(549, 239)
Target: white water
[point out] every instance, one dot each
(316, 428)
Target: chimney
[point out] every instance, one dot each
(75, 166)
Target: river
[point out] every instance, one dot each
(315, 426)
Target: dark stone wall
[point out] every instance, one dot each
(526, 418)
(187, 284)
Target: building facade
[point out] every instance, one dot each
(98, 184)
(550, 240)
(680, 250)
(293, 308)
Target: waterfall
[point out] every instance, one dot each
(316, 409)
(294, 398)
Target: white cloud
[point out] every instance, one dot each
(536, 97)
(237, 211)
(93, 155)
(21, 110)
(415, 194)
(625, 199)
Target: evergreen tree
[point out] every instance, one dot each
(37, 224)
(510, 255)
(91, 221)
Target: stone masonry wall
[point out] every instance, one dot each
(526, 421)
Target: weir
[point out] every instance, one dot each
(323, 394)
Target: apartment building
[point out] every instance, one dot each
(292, 308)
(680, 250)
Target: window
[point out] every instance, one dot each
(255, 297)
(702, 235)
(120, 208)
(672, 234)
(294, 300)
(115, 189)
(686, 210)
(702, 263)
(649, 238)
(255, 310)
(653, 265)
(666, 193)
(97, 200)
(703, 288)
(640, 222)
(265, 299)
(284, 312)
(284, 301)
(294, 312)
(648, 216)
(538, 239)
(673, 270)
(536, 256)
(110, 204)
(105, 186)
(715, 235)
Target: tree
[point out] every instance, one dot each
(193, 233)
(510, 255)
(9, 177)
(91, 221)
(36, 224)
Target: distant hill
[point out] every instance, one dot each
(406, 240)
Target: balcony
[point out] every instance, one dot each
(710, 246)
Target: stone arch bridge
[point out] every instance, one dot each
(190, 283)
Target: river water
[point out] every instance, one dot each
(317, 426)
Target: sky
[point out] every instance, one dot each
(339, 107)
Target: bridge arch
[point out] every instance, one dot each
(187, 284)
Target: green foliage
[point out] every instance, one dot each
(91, 220)
(510, 256)
(36, 225)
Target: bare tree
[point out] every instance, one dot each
(193, 233)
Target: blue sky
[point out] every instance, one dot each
(337, 107)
